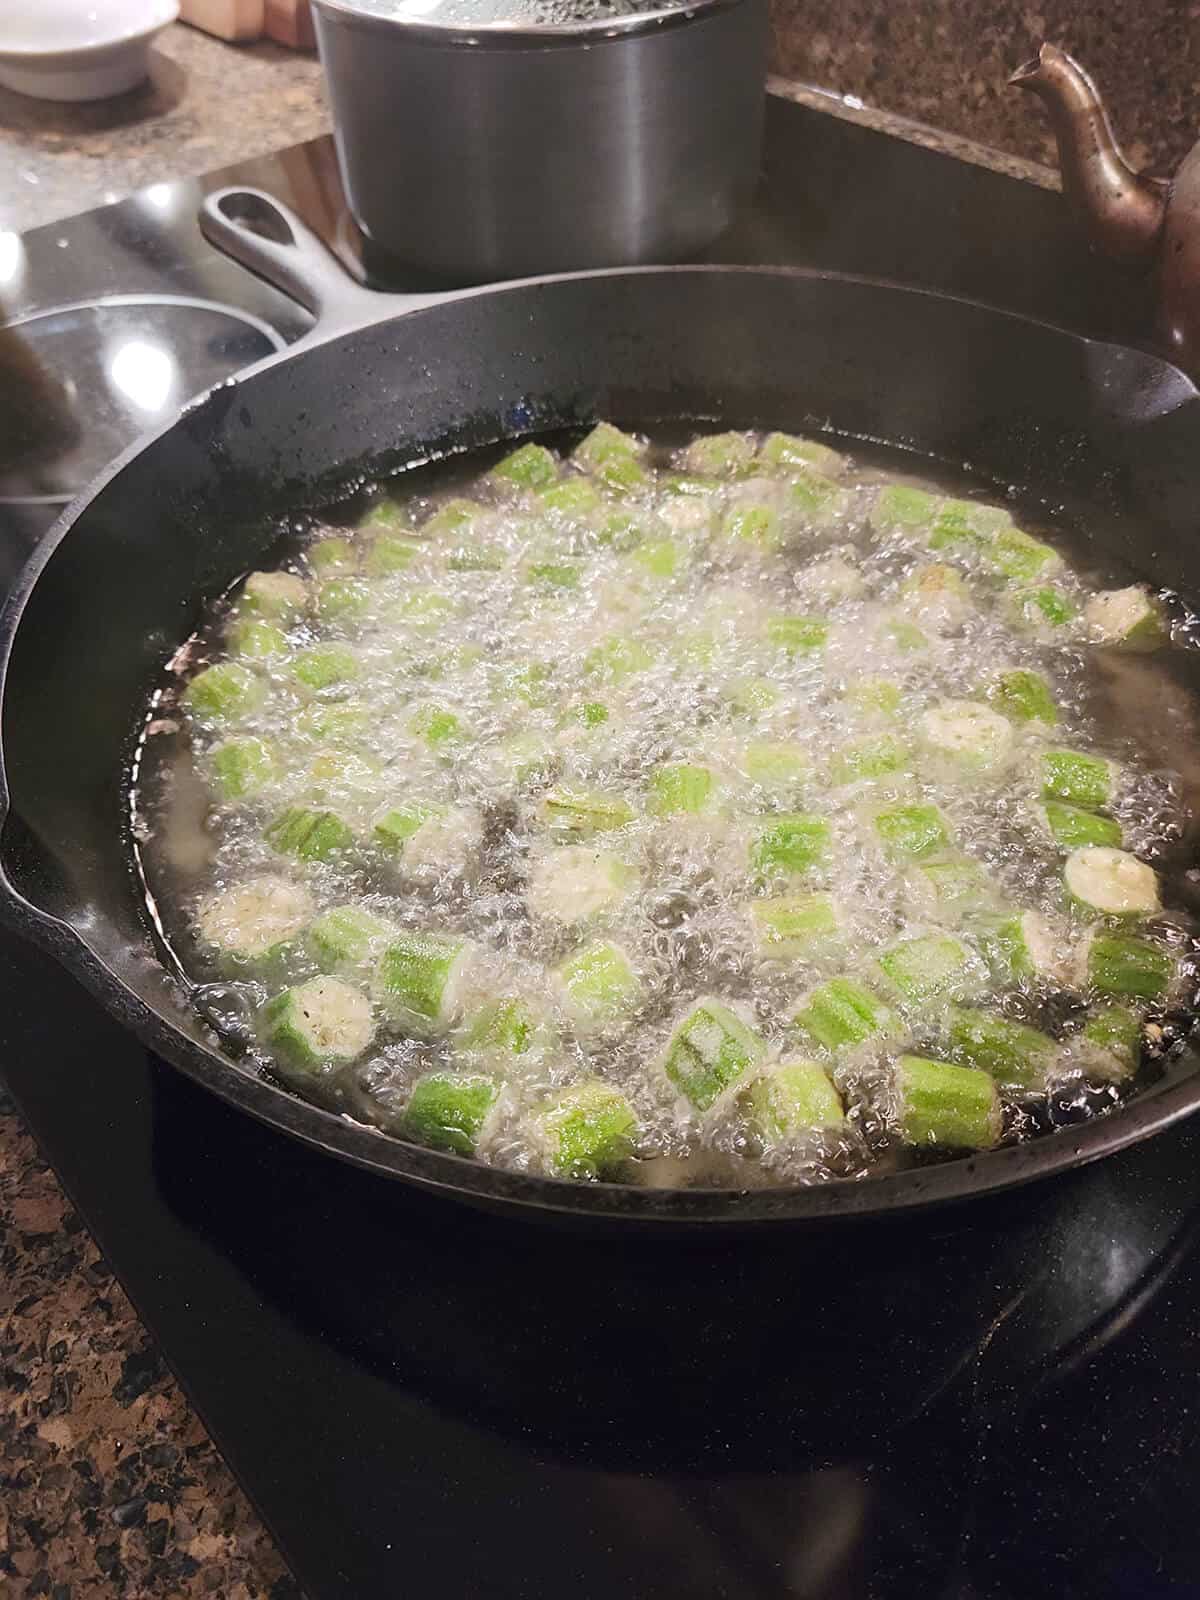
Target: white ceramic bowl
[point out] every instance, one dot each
(78, 49)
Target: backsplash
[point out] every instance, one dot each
(945, 62)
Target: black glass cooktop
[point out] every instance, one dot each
(1000, 1401)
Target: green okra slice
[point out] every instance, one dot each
(947, 892)
(903, 635)
(587, 1131)
(450, 1110)
(331, 555)
(322, 1023)
(394, 827)
(1044, 609)
(457, 516)
(842, 1014)
(390, 552)
(899, 509)
(530, 466)
(681, 789)
(1131, 618)
(940, 595)
(254, 921)
(1020, 946)
(778, 765)
(909, 832)
(573, 884)
(719, 455)
(617, 658)
(788, 927)
(1023, 696)
(309, 835)
(787, 450)
(280, 597)
(818, 499)
(711, 1049)
(223, 693)
(598, 985)
(966, 737)
(342, 600)
(947, 1106)
(503, 1030)
(571, 499)
(1109, 1046)
(1017, 1056)
(419, 979)
(794, 1098)
(751, 697)
(585, 811)
(437, 726)
(347, 937)
(325, 666)
(1128, 968)
(1017, 556)
(554, 574)
(927, 967)
(385, 516)
(658, 559)
(868, 760)
(789, 842)
(752, 524)
(797, 636)
(1111, 882)
(1077, 779)
(875, 695)
(335, 722)
(1071, 827)
(255, 639)
(614, 457)
(243, 768)
(603, 443)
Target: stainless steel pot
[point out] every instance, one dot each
(477, 153)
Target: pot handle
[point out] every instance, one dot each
(267, 237)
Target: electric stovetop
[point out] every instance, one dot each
(1000, 1401)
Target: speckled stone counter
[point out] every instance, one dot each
(205, 105)
(109, 1486)
(946, 62)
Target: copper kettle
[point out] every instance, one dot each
(1141, 221)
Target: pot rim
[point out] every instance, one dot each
(529, 35)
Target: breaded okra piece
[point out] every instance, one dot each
(1112, 882)
(792, 927)
(308, 834)
(347, 938)
(1126, 968)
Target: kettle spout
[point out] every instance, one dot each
(1122, 211)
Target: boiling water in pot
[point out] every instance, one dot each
(729, 810)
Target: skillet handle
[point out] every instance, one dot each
(270, 239)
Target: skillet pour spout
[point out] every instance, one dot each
(1141, 221)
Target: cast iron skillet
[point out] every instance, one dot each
(1109, 434)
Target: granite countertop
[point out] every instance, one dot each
(109, 1485)
(59, 159)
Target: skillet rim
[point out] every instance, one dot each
(900, 1194)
